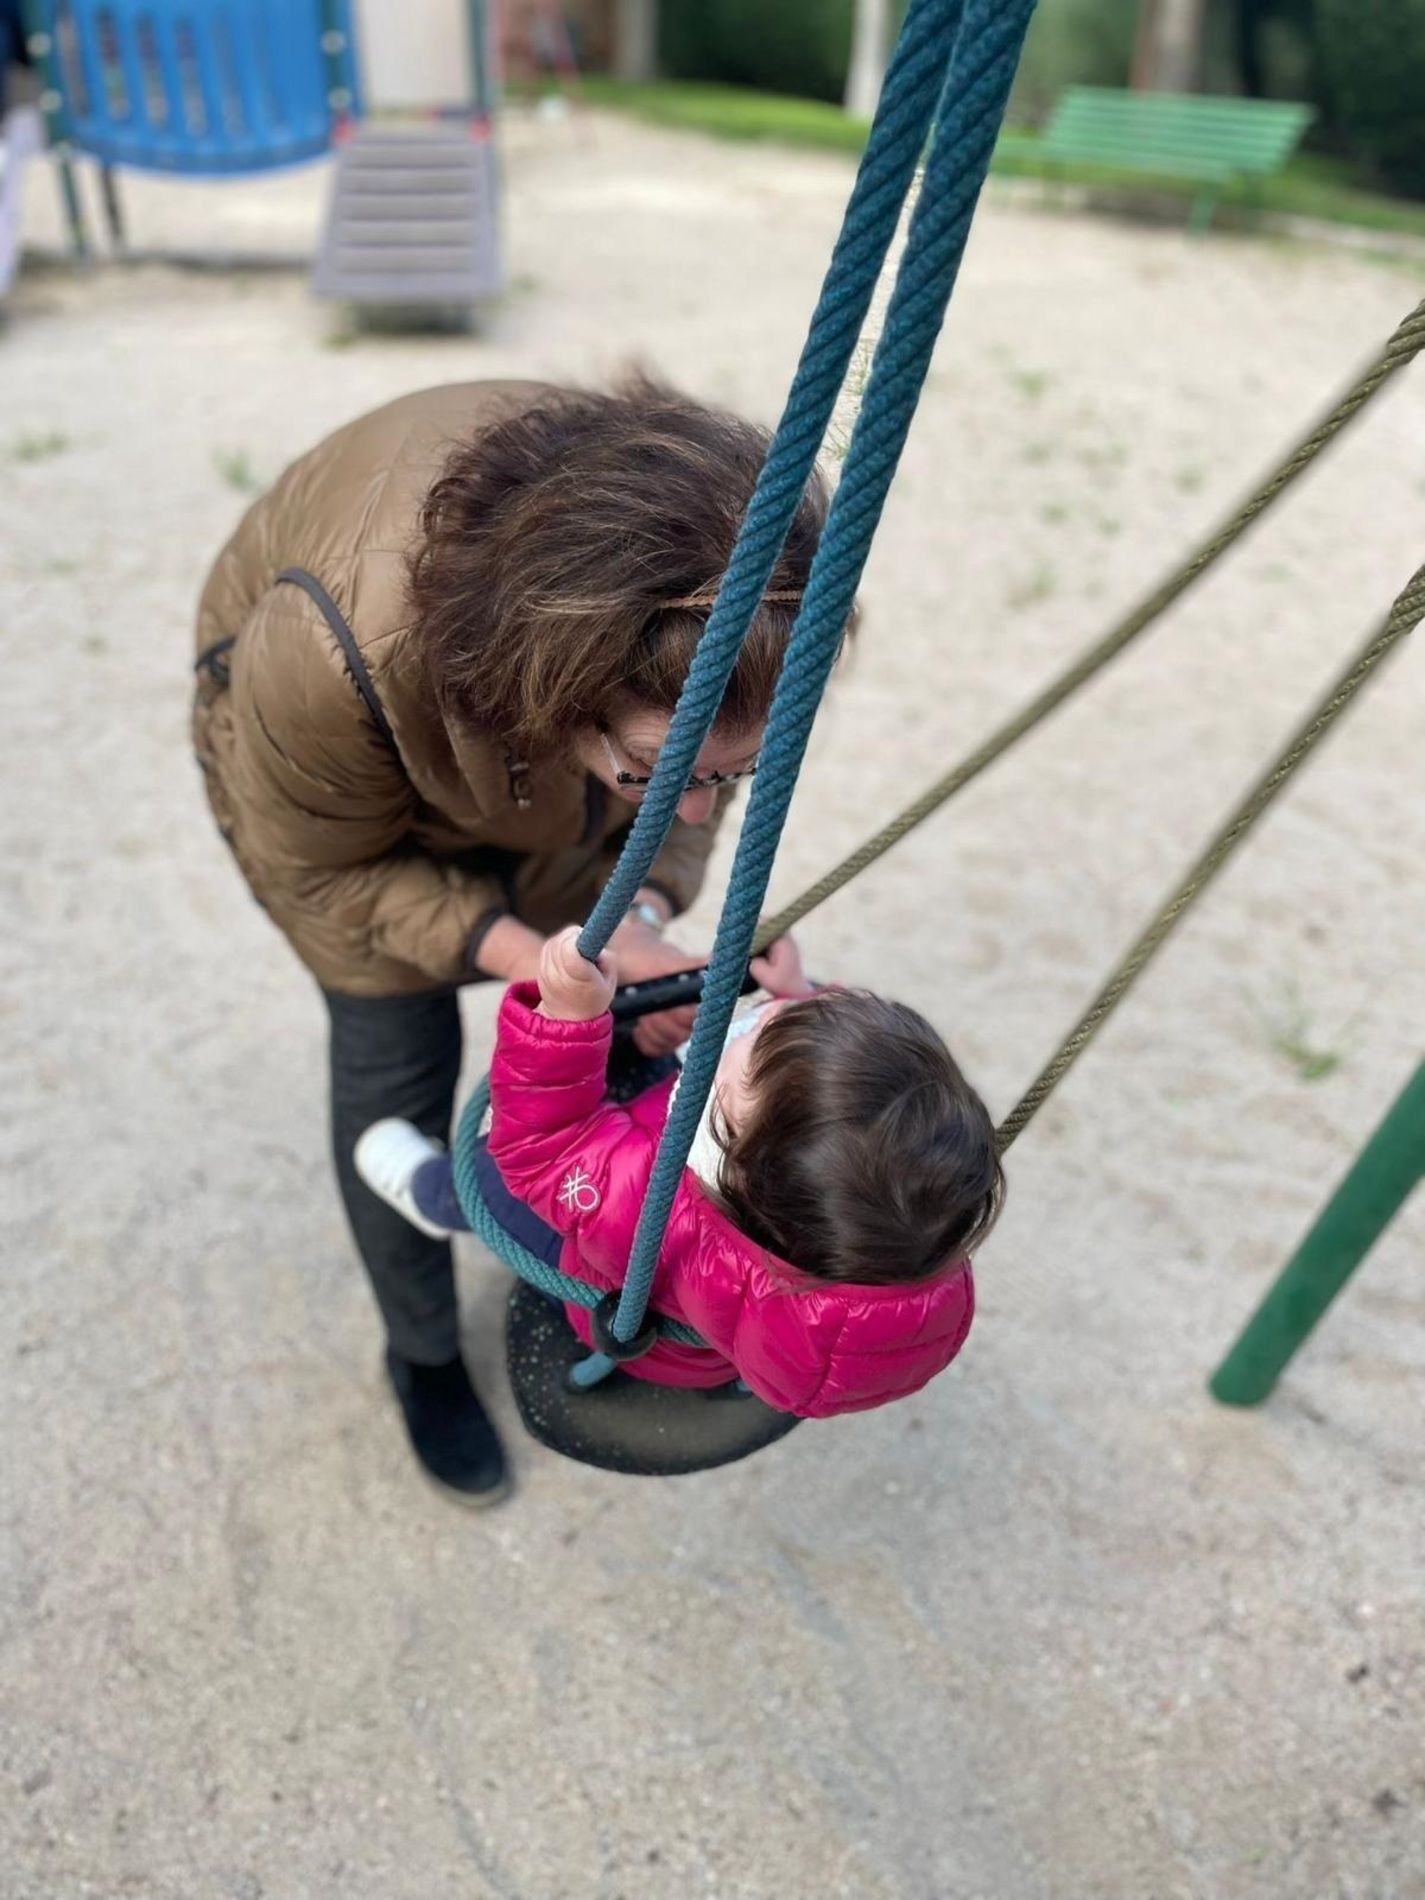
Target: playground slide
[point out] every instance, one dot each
(21, 138)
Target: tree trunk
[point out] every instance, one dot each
(868, 57)
(1168, 55)
(1247, 38)
(636, 39)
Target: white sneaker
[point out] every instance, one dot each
(387, 1157)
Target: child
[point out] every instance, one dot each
(820, 1240)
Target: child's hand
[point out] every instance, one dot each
(780, 972)
(571, 989)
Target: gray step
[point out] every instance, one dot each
(448, 233)
(411, 220)
(446, 207)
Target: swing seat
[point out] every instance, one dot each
(624, 1424)
(202, 88)
(619, 1423)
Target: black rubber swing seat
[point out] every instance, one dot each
(624, 1424)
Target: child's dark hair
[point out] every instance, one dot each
(865, 1155)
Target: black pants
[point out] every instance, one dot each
(400, 1055)
(397, 1055)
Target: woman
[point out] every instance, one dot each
(436, 665)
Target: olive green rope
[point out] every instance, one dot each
(1403, 346)
(1404, 616)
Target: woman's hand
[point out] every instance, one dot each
(642, 953)
(780, 971)
(571, 989)
(510, 951)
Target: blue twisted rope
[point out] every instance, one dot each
(913, 85)
(908, 99)
(982, 70)
(982, 65)
(546, 1279)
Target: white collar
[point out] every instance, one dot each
(705, 1155)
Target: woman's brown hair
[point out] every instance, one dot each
(865, 1155)
(550, 546)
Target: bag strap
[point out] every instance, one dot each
(214, 661)
(346, 640)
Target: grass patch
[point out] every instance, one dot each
(1287, 1027)
(1031, 383)
(235, 467)
(1311, 186)
(35, 446)
(1034, 588)
(732, 112)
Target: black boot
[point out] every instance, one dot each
(455, 1442)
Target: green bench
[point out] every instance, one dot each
(1210, 142)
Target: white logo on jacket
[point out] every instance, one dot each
(579, 1192)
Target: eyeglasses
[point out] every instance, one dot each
(640, 781)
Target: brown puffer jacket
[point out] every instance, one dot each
(384, 871)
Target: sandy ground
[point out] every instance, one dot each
(1060, 1628)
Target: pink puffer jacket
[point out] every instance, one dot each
(810, 1346)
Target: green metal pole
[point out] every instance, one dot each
(485, 96)
(1360, 1210)
(339, 65)
(482, 88)
(39, 43)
